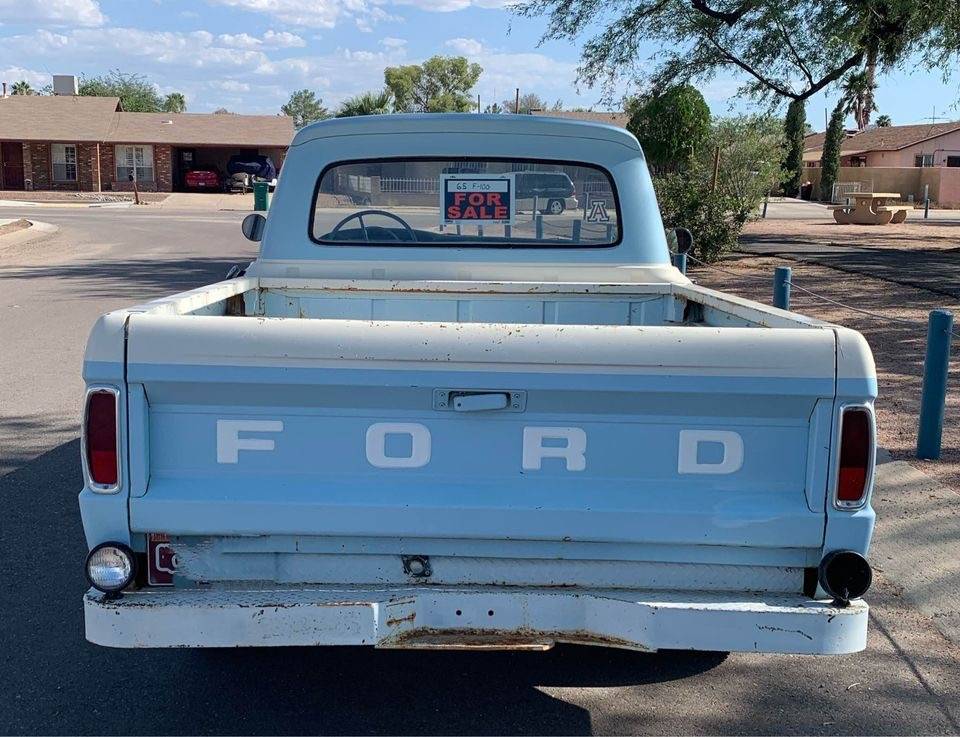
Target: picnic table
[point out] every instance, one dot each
(871, 208)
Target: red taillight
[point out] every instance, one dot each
(100, 436)
(856, 455)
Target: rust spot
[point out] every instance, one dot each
(399, 620)
(426, 638)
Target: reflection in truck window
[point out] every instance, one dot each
(486, 203)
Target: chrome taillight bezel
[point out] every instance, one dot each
(87, 474)
(841, 504)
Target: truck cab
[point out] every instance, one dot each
(429, 416)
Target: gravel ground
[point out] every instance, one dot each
(51, 196)
(897, 347)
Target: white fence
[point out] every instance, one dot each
(409, 186)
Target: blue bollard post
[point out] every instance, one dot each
(936, 367)
(539, 227)
(781, 287)
(680, 261)
(577, 227)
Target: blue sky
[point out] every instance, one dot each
(248, 55)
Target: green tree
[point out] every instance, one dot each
(136, 93)
(494, 108)
(790, 50)
(175, 102)
(529, 101)
(22, 88)
(715, 212)
(830, 158)
(751, 151)
(884, 121)
(441, 84)
(671, 127)
(794, 126)
(368, 103)
(305, 108)
(858, 91)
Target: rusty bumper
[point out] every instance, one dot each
(478, 618)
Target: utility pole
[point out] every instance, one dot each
(516, 105)
(716, 170)
(478, 102)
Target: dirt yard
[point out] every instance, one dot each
(897, 347)
(13, 226)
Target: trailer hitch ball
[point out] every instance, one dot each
(417, 566)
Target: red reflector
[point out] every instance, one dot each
(101, 437)
(855, 454)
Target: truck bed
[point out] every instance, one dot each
(560, 303)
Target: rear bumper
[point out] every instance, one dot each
(478, 618)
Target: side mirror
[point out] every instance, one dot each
(252, 227)
(684, 239)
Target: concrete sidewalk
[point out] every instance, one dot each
(916, 545)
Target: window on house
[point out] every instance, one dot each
(953, 161)
(134, 161)
(923, 160)
(64, 157)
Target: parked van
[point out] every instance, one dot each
(554, 189)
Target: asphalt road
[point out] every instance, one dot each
(54, 682)
(936, 270)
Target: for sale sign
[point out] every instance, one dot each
(477, 198)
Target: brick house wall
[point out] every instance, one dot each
(162, 171)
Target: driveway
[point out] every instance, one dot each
(56, 683)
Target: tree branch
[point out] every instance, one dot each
(730, 18)
(776, 87)
(796, 55)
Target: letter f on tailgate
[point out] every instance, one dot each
(229, 442)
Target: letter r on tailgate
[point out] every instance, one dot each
(573, 453)
(229, 442)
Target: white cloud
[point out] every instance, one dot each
(448, 6)
(14, 74)
(310, 13)
(465, 46)
(54, 12)
(392, 42)
(283, 40)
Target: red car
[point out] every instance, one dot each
(202, 179)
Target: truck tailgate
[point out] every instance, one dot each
(256, 426)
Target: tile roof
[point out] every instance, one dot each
(99, 119)
(202, 129)
(890, 138)
(49, 118)
(610, 117)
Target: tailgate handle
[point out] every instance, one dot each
(480, 402)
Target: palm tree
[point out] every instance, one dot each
(858, 97)
(884, 121)
(22, 88)
(175, 102)
(369, 103)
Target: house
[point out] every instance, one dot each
(933, 144)
(610, 117)
(89, 144)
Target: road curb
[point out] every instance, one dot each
(916, 545)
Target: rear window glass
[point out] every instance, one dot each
(466, 202)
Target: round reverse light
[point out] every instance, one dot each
(110, 567)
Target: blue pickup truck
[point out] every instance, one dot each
(427, 417)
